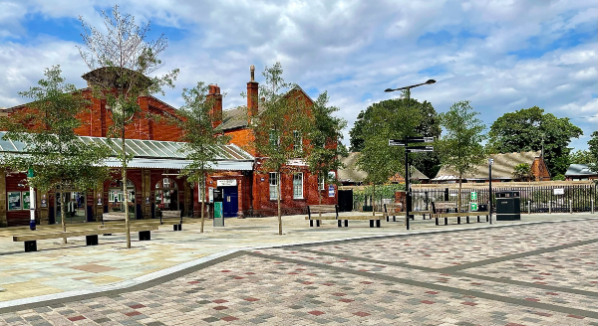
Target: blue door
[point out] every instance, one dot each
(230, 199)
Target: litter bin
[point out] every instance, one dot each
(507, 206)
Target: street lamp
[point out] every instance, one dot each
(407, 186)
(490, 161)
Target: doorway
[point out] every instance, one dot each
(230, 198)
(75, 207)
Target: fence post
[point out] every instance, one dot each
(570, 206)
(550, 207)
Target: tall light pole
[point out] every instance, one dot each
(407, 186)
(490, 161)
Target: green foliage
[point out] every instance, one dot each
(593, 149)
(529, 129)
(460, 148)
(284, 115)
(559, 177)
(428, 126)
(523, 172)
(57, 155)
(581, 157)
(382, 191)
(324, 153)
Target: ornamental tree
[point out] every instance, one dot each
(126, 59)
(60, 160)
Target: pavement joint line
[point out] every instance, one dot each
(457, 273)
(173, 272)
(493, 297)
(514, 256)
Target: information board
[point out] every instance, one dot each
(474, 195)
(473, 207)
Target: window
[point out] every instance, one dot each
(167, 195)
(274, 138)
(298, 140)
(298, 186)
(15, 201)
(273, 176)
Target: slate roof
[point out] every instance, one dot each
(502, 168)
(351, 174)
(579, 169)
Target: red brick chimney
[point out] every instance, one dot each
(216, 111)
(252, 95)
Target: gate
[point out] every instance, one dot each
(345, 200)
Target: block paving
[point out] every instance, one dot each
(517, 275)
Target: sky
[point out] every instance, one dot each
(501, 55)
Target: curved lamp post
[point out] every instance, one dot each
(407, 186)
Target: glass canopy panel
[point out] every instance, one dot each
(6, 145)
(134, 148)
(140, 148)
(19, 145)
(144, 145)
(164, 149)
(151, 145)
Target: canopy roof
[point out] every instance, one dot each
(153, 153)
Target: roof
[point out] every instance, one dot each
(237, 117)
(351, 174)
(502, 168)
(146, 153)
(579, 169)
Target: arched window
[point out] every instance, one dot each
(116, 198)
(167, 195)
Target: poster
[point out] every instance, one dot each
(330, 191)
(26, 200)
(14, 201)
(44, 201)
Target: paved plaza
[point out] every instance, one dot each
(540, 271)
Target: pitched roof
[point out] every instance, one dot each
(579, 169)
(502, 168)
(352, 174)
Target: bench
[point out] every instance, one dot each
(175, 222)
(447, 207)
(436, 214)
(341, 220)
(91, 235)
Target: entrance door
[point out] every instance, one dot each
(74, 203)
(230, 198)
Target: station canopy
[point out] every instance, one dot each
(153, 154)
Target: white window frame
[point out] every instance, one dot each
(272, 135)
(296, 193)
(298, 145)
(273, 180)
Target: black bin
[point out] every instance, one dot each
(507, 206)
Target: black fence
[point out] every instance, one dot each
(557, 199)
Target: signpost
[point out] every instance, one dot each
(218, 216)
(414, 149)
(30, 174)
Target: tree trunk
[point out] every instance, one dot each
(459, 197)
(203, 202)
(374, 199)
(62, 215)
(320, 197)
(279, 210)
(125, 192)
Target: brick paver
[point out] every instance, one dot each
(392, 281)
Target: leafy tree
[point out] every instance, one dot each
(323, 152)
(531, 130)
(279, 128)
(460, 148)
(61, 161)
(523, 171)
(127, 58)
(201, 140)
(429, 126)
(559, 177)
(581, 157)
(593, 149)
(379, 160)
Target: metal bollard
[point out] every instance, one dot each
(592, 206)
(529, 207)
(570, 206)
(549, 207)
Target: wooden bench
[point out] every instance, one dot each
(391, 210)
(91, 235)
(447, 207)
(175, 222)
(314, 210)
(436, 214)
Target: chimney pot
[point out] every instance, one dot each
(252, 70)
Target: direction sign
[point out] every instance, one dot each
(420, 139)
(396, 142)
(431, 148)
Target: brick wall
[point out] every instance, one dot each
(540, 170)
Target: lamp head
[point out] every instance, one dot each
(430, 81)
(388, 90)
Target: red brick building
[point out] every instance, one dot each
(152, 175)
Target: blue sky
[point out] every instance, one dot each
(500, 55)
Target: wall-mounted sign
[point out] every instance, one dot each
(330, 191)
(44, 201)
(474, 195)
(211, 194)
(226, 183)
(147, 200)
(559, 191)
